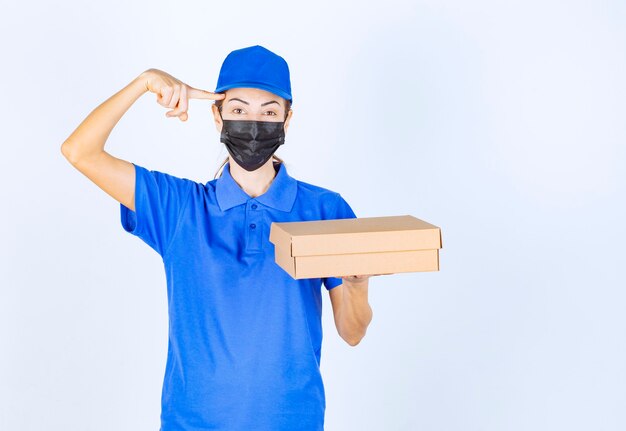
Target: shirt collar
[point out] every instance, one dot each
(281, 194)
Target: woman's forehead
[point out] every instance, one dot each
(252, 95)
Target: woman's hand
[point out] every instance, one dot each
(173, 93)
(358, 280)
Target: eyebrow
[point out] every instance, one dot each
(246, 103)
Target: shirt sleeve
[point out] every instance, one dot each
(342, 210)
(159, 202)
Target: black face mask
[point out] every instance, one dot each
(252, 143)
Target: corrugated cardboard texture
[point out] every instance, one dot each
(360, 235)
(368, 245)
(359, 264)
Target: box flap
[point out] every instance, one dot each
(279, 237)
(283, 258)
(366, 263)
(356, 235)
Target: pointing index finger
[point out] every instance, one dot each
(196, 93)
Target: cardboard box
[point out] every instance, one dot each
(356, 246)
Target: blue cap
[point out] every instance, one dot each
(255, 67)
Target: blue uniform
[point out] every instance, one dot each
(245, 338)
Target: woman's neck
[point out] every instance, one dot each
(254, 183)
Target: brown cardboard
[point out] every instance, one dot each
(356, 246)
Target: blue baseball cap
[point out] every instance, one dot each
(255, 67)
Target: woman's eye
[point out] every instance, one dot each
(271, 113)
(237, 110)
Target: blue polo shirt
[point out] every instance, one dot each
(245, 338)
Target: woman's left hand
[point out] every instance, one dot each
(358, 280)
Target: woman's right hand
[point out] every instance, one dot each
(173, 93)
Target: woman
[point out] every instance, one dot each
(244, 337)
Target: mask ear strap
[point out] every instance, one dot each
(219, 111)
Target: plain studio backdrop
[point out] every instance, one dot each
(501, 122)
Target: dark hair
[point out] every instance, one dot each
(218, 103)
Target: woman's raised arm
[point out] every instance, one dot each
(84, 148)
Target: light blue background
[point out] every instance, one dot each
(501, 122)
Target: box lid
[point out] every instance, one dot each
(355, 235)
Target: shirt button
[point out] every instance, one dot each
(254, 206)
(252, 225)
